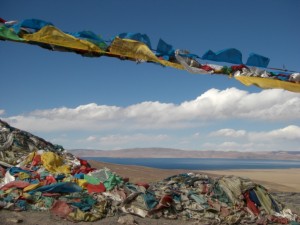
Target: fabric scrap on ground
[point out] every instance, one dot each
(55, 180)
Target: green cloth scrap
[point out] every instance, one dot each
(112, 181)
(294, 223)
(200, 199)
(264, 199)
(220, 194)
(85, 204)
(91, 179)
(226, 70)
(8, 34)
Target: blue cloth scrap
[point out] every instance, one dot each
(176, 197)
(164, 50)
(283, 76)
(63, 187)
(15, 170)
(230, 55)
(137, 36)
(90, 36)
(274, 204)
(22, 204)
(86, 203)
(254, 197)
(79, 175)
(33, 24)
(150, 200)
(60, 177)
(257, 60)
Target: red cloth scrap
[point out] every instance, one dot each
(95, 188)
(145, 185)
(250, 204)
(61, 209)
(15, 183)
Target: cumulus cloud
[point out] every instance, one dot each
(286, 138)
(291, 132)
(83, 112)
(229, 133)
(2, 111)
(121, 140)
(238, 146)
(212, 105)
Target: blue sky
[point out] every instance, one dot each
(106, 103)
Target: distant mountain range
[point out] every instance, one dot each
(176, 153)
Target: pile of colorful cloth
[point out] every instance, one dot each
(67, 186)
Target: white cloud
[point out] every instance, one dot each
(237, 146)
(2, 112)
(121, 140)
(196, 135)
(229, 133)
(227, 145)
(91, 138)
(249, 146)
(278, 139)
(83, 112)
(291, 132)
(211, 106)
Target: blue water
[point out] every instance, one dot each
(202, 164)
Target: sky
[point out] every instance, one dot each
(107, 104)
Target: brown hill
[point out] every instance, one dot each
(176, 153)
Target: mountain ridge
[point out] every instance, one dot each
(156, 152)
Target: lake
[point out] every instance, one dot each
(202, 163)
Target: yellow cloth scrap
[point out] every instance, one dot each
(54, 163)
(79, 215)
(32, 187)
(23, 175)
(269, 83)
(81, 182)
(28, 159)
(26, 195)
(138, 51)
(68, 179)
(53, 36)
(132, 49)
(171, 64)
(264, 199)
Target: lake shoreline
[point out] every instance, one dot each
(201, 163)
